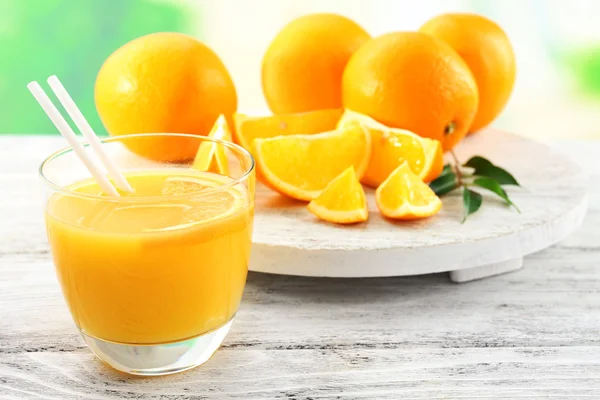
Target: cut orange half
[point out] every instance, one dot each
(211, 156)
(404, 196)
(248, 128)
(301, 166)
(342, 201)
(392, 147)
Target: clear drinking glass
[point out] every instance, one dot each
(153, 279)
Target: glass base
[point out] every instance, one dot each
(158, 359)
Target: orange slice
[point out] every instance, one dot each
(434, 160)
(342, 201)
(211, 156)
(249, 128)
(301, 166)
(392, 146)
(403, 195)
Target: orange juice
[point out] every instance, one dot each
(166, 263)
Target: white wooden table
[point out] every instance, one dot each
(534, 333)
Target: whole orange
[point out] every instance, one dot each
(163, 82)
(487, 51)
(302, 68)
(412, 81)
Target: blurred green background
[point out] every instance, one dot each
(556, 42)
(70, 39)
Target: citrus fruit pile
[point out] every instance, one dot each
(348, 109)
(326, 168)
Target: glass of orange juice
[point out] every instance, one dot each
(153, 278)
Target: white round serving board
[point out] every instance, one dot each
(291, 241)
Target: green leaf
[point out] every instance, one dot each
(471, 201)
(447, 169)
(484, 167)
(444, 183)
(478, 162)
(494, 187)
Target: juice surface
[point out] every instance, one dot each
(142, 270)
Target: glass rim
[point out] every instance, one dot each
(219, 188)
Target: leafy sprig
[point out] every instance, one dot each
(477, 173)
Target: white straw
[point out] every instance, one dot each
(87, 131)
(65, 130)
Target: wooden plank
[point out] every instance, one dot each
(529, 334)
(289, 240)
(294, 374)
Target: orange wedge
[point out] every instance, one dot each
(249, 128)
(211, 156)
(342, 201)
(404, 196)
(301, 166)
(392, 146)
(434, 159)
